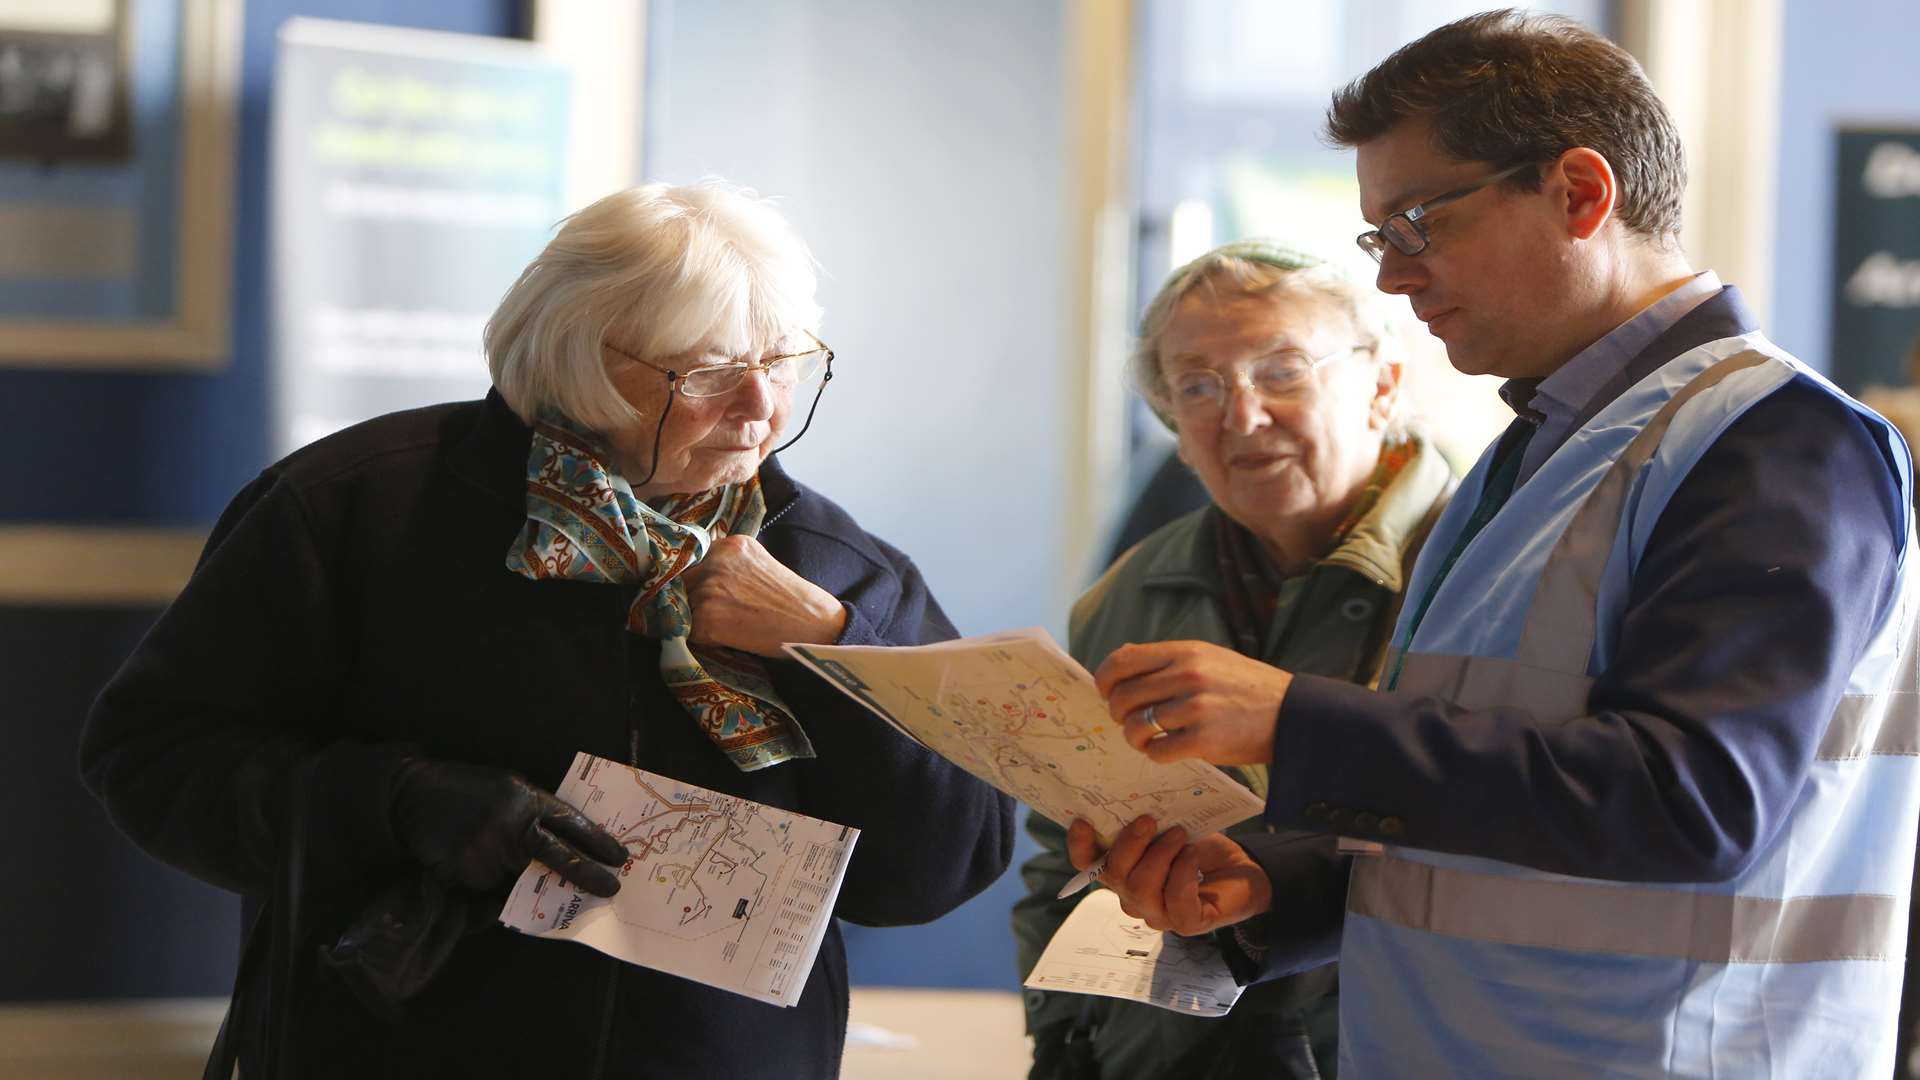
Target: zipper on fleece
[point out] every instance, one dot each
(782, 512)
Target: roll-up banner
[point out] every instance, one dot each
(414, 175)
(1876, 260)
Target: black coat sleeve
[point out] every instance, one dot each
(194, 743)
(931, 835)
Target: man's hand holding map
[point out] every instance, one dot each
(1016, 711)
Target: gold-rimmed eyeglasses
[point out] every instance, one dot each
(784, 373)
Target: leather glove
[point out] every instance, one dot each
(1063, 1050)
(478, 827)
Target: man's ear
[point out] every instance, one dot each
(1587, 188)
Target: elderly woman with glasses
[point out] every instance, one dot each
(399, 637)
(1282, 385)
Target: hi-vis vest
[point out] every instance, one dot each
(1458, 966)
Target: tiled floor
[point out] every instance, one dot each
(961, 1035)
(897, 1035)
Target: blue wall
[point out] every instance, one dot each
(923, 151)
(1842, 62)
(87, 915)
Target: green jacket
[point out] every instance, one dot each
(1337, 618)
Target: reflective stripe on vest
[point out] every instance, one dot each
(1570, 970)
(1712, 927)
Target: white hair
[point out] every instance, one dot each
(1226, 269)
(656, 270)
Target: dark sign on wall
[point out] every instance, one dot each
(1876, 259)
(63, 81)
(415, 174)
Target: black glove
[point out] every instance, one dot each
(1063, 1050)
(477, 827)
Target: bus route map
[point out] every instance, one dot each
(716, 888)
(1016, 711)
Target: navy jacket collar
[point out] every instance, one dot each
(1725, 314)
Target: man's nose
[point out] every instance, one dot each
(1399, 274)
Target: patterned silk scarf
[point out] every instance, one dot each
(584, 524)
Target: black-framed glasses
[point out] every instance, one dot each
(1204, 391)
(811, 367)
(1406, 230)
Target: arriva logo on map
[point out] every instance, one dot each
(1885, 280)
(567, 913)
(1893, 171)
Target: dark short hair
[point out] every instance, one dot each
(1513, 88)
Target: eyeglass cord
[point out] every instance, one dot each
(660, 429)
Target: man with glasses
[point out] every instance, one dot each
(1637, 790)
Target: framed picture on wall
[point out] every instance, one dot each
(63, 80)
(117, 147)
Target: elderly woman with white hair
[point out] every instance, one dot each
(398, 638)
(1279, 378)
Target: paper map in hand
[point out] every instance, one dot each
(718, 889)
(1016, 711)
(1103, 950)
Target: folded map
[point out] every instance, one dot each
(718, 889)
(1016, 711)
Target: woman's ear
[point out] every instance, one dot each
(1386, 392)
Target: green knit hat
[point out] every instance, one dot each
(1253, 250)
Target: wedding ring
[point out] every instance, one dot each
(1152, 723)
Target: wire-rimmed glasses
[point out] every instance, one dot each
(1405, 230)
(783, 373)
(1204, 391)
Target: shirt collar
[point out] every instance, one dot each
(1565, 391)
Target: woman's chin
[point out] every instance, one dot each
(1275, 493)
(732, 467)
